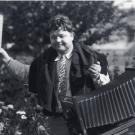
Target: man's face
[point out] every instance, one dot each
(62, 41)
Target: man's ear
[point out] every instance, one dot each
(73, 35)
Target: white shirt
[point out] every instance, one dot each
(68, 55)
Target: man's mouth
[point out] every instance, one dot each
(59, 45)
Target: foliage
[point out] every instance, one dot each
(22, 116)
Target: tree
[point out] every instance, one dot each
(26, 22)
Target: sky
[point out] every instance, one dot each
(124, 4)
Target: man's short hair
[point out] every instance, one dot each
(60, 22)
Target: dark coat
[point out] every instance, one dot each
(42, 74)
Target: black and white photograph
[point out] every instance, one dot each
(67, 67)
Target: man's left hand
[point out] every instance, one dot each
(98, 78)
(95, 70)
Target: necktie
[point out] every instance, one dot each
(61, 70)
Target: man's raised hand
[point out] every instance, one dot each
(4, 56)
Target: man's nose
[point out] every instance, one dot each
(58, 39)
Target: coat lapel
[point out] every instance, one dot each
(52, 65)
(49, 66)
(75, 69)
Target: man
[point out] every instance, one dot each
(64, 70)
